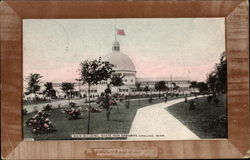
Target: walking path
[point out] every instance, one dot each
(154, 122)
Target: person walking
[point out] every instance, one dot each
(166, 98)
(185, 98)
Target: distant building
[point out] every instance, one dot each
(181, 84)
(125, 66)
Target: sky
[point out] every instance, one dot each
(159, 47)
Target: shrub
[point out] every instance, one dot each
(48, 107)
(192, 105)
(40, 123)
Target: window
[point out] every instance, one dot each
(131, 80)
(125, 80)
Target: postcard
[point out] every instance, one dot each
(124, 79)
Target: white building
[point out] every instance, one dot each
(125, 66)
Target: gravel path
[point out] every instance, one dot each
(154, 122)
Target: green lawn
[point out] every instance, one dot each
(202, 119)
(119, 123)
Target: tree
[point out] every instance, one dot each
(221, 70)
(33, 82)
(193, 84)
(167, 88)
(146, 89)
(67, 87)
(217, 79)
(92, 73)
(211, 79)
(172, 88)
(160, 86)
(116, 80)
(138, 88)
(176, 87)
(202, 87)
(48, 89)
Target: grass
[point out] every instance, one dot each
(120, 122)
(201, 120)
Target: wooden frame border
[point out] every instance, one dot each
(237, 48)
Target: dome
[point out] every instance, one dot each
(121, 61)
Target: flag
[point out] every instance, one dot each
(120, 32)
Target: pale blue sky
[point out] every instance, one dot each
(55, 47)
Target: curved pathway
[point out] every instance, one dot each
(154, 122)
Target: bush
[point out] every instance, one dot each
(191, 105)
(24, 111)
(48, 107)
(40, 123)
(72, 104)
(93, 109)
(220, 121)
(216, 102)
(209, 99)
(73, 113)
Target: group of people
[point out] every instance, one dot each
(40, 123)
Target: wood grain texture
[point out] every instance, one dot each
(167, 149)
(122, 8)
(237, 48)
(11, 79)
(237, 39)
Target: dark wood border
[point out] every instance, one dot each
(237, 47)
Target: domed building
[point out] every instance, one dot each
(121, 61)
(122, 65)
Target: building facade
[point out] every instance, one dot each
(124, 65)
